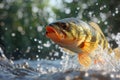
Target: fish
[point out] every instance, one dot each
(80, 37)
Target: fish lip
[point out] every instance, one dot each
(50, 29)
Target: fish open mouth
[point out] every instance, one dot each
(52, 33)
(50, 29)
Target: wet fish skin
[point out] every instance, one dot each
(79, 37)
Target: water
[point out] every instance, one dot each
(66, 68)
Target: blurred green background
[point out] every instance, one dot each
(22, 23)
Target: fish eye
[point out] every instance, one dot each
(64, 26)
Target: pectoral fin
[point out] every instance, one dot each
(84, 59)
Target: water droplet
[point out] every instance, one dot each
(98, 22)
(38, 59)
(101, 8)
(13, 34)
(113, 14)
(104, 6)
(39, 41)
(38, 65)
(105, 22)
(116, 11)
(56, 54)
(78, 8)
(6, 28)
(112, 75)
(96, 3)
(47, 44)
(38, 47)
(39, 28)
(86, 74)
(52, 58)
(28, 49)
(37, 56)
(90, 13)
(67, 11)
(39, 50)
(35, 39)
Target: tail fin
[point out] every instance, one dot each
(117, 53)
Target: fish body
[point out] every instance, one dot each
(78, 36)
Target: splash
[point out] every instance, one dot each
(108, 62)
(68, 67)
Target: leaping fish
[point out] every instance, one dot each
(79, 37)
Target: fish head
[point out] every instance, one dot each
(61, 32)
